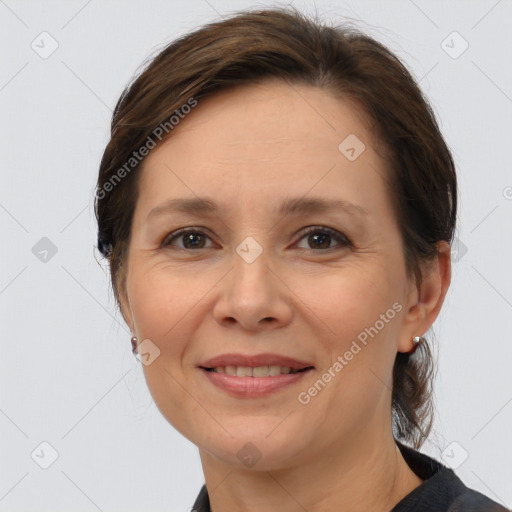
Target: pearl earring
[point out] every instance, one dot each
(134, 345)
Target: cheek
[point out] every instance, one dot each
(349, 301)
(161, 299)
(161, 302)
(362, 310)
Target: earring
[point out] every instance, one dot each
(134, 345)
(417, 341)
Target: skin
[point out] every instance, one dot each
(249, 149)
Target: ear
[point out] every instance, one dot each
(423, 305)
(126, 312)
(124, 302)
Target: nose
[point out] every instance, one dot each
(253, 296)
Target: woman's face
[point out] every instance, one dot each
(252, 280)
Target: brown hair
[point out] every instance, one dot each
(280, 43)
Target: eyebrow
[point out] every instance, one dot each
(292, 206)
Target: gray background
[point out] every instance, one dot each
(68, 376)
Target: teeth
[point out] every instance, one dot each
(258, 371)
(243, 371)
(274, 370)
(230, 370)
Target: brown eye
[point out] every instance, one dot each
(321, 238)
(190, 238)
(193, 240)
(320, 241)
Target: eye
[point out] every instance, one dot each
(191, 238)
(321, 237)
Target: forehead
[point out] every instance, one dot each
(263, 138)
(272, 111)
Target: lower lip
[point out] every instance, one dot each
(253, 386)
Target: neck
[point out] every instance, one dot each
(368, 473)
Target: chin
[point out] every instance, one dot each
(253, 456)
(259, 446)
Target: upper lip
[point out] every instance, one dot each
(254, 361)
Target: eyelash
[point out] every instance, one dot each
(335, 235)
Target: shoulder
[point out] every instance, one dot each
(442, 490)
(202, 503)
(473, 501)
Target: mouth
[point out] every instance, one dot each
(255, 376)
(257, 371)
(258, 365)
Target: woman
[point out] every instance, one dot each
(277, 206)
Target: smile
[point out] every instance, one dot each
(247, 382)
(258, 371)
